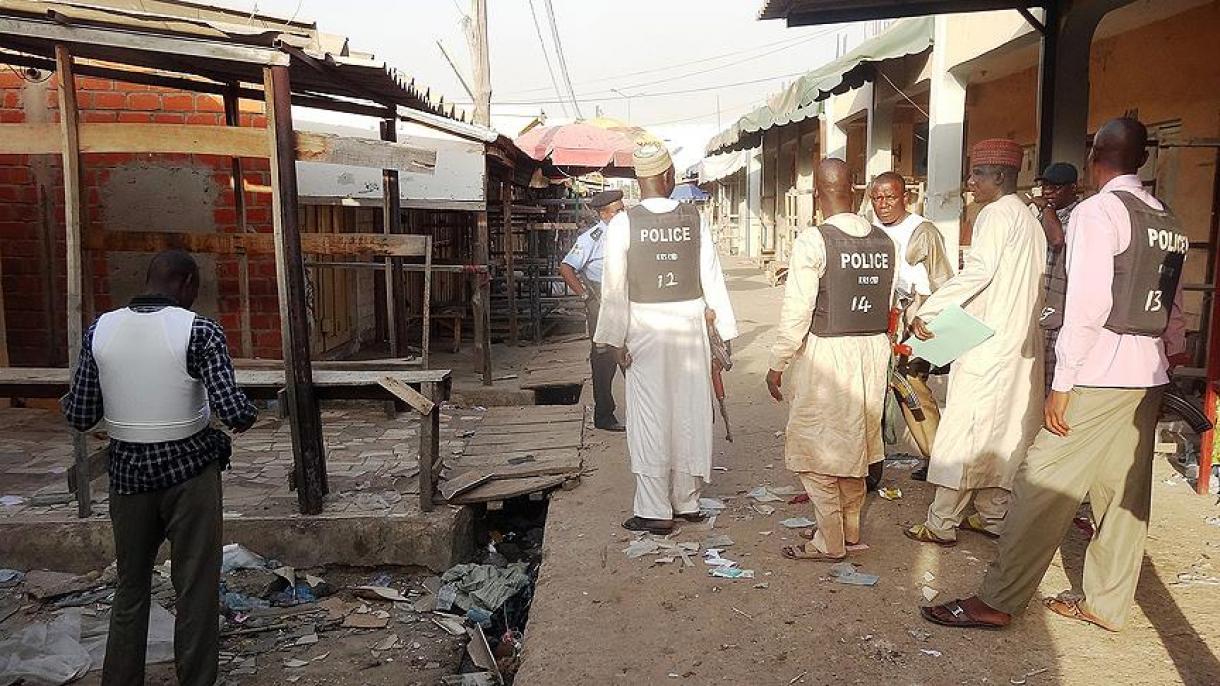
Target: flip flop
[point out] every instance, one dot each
(808, 535)
(793, 552)
(652, 526)
(920, 533)
(1072, 610)
(954, 615)
(973, 523)
(692, 517)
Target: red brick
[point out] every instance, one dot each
(258, 215)
(169, 117)
(144, 101)
(12, 99)
(224, 216)
(89, 83)
(135, 117)
(105, 100)
(18, 194)
(209, 103)
(205, 118)
(94, 116)
(178, 102)
(15, 175)
(268, 339)
(12, 116)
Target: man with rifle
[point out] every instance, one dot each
(834, 345)
(661, 287)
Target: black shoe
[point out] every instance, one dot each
(920, 474)
(611, 426)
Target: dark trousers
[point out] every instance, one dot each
(603, 365)
(189, 515)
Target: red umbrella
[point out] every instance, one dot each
(578, 145)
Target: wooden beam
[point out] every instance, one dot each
(430, 444)
(233, 118)
(256, 243)
(363, 152)
(425, 341)
(408, 395)
(481, 301)
(391, 224)
(69, 136)
(308, 454)
(506, 241)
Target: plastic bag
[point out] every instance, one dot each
(238, 556)
(45, 653)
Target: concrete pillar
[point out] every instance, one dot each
(753, 216)
(834, 139)
(946, 137)
(1071, 99)
(880, 133)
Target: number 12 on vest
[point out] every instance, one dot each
(666, 280)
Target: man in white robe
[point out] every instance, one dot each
(662, 283)
(994, 404)
(833, 333)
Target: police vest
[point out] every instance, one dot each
(147, 394)
(663, 257)
(1146, 274)
(854, 294)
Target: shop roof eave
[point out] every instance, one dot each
(818, 12)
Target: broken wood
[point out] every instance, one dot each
(363, 152)
(464, 482)
(255, 243)
(508, 488)
(97, 462)
(407, 394)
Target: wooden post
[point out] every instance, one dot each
(425, 340)
(481, 300)
(391, 221)
(481, 63)
(308, 455)
(429, 446)
(233, 118)
(73, 211)
(510, 278)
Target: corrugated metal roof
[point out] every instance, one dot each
(802, 99)
(112, 30)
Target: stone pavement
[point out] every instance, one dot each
(372, 462)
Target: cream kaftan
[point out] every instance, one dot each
(836, 385)
(669, 386)
(994, 405)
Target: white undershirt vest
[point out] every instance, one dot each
(147, 393)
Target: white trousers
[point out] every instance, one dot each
(662, 497)
(948, 509)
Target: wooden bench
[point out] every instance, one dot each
(423, 390)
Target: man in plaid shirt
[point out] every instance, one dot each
(156, 372)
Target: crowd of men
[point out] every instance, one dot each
(1059, 403)
(1082, 295)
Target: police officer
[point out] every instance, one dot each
(581, 270)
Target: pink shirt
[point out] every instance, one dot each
(1088, 354)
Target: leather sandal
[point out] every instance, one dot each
(920, 533)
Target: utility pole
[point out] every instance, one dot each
(482, 64)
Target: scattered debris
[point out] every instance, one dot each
(798, 522)
(10, 577)
(294, 663)
(718, 541)
(369, 620)
(380, 593)
(731, 573)
(11, 500)
(486, 586)
(929, 593)
(800, 499)
(928, 577)
(857, 547)
(919, 634)
(890, 492)
(237, 556)
(763, 509)
(747, 615)
(450, 625)
(1022, 678)
(786, 491)
(929, 651)
(763, 495)
(845, 573)
(712, 558)
(798, 677)
(711, 506)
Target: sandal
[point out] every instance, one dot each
(1072, 610)
(954, 615)
(692, 517)
(652, 526)
(794, 552)
(920, 533)
(975, 523)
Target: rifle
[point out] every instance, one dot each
(722, 360)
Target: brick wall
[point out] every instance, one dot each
(123, 191)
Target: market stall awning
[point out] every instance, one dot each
(716, 167)
(813, 12)
(801, 100)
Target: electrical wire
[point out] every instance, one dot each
(658, 94)
(546, 56)
(25, 78)
(563, 63)
(669, 67)
(903, 94)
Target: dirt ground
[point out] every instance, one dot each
(600, 618)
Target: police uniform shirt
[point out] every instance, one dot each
(586, 255)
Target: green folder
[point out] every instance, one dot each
(956, 332)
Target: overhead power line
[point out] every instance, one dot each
(546, 56)
(563, 63)
(658, 94)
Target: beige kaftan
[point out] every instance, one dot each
(994, 404)
(836, 385)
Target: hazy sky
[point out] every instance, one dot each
(644, 48)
